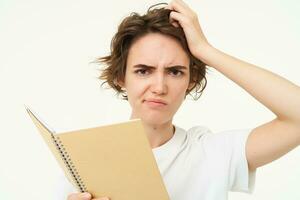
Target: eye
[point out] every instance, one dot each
(142, 72)
(176, 72)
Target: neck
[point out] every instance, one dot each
(158, 134)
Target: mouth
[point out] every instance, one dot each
(154, 103)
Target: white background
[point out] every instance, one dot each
(46, 48)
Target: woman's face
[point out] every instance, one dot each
(157, 78)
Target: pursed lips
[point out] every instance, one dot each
(156, 101)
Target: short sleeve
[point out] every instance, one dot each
(226, 151)
(240, 178)
(223, 157)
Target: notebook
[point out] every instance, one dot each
(114, 160)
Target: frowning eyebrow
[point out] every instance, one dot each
(152, 67)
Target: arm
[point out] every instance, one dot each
(272, 139)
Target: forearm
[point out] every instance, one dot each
(279, 95)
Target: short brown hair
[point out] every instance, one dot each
(136, 26)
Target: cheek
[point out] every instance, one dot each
(135, 93)
(179, 95)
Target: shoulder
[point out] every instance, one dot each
(197, 132)
(228, 138)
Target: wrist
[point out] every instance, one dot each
(205, 52)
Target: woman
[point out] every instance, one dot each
(159, 58)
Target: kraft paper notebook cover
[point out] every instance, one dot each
(114, 160)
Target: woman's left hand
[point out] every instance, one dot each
(184, 16)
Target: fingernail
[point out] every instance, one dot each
(86, 195)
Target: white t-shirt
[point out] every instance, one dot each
(198, 165)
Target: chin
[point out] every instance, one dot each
(152, 117)
(155, 120)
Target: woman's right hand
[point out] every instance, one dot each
(84, 196)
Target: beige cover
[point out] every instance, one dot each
(113, 160)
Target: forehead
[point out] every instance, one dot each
(157, 48)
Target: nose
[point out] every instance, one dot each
(158, 85)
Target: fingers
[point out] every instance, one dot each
(182, 15)
(80, 196)
(177, 17)
(84, 196)
(172, 20)
(181, 7)
(184, 6)
(175, 24)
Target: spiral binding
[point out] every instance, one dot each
(69, 164)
